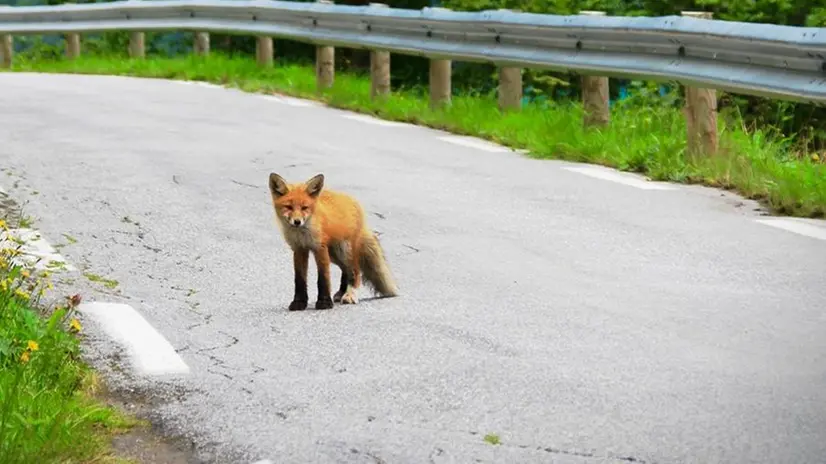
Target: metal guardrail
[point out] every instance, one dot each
(758, 59)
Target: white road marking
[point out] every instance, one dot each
(198, 83)
(373, 120)
(629, 179)
(298, 102)
(479, 144)
(151, 353)
(32, 246)
(797, 226)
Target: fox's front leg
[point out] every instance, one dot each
(300, 261)
(322, 260)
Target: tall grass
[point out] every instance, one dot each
(646, 135)
(48, 412)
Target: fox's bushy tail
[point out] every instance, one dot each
(374, 269)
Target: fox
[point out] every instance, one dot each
(332, 225)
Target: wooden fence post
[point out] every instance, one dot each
(440, 89)
(325, 62)
(6, 50)
(700, 111)
(510, 85)
(439, 81)
(595, 98)
(72, 45)
(379, 68)
(264, 50)
(137, 47)
(201, 45)
(510, 88)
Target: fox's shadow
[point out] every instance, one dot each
(339, 306)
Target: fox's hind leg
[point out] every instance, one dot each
(342, 288)
(350, 295)
(338, 255)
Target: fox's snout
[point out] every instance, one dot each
(297, 217)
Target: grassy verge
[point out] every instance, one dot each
(644, 136)
(48, 409)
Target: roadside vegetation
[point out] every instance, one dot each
(49, 411)
(647, 131)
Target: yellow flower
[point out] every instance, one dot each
(21, 294)
(24, 358)
(3, 224)
(815, 157)
(75, 325)
(25, 274)
(32, 345)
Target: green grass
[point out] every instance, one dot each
(108, 283)
(644, 136)
(493, 439)
(48, 408)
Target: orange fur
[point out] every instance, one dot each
(333, 227)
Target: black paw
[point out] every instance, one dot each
(298, 305)
(324, 303)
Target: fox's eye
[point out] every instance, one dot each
(289, 207)
(304, 208)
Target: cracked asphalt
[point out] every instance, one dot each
(577, 319)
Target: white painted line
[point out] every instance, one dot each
(796, 226)
(198, 83)
(151, 353)
(297, 102)
(33, 247)
(374, 120)
(473, 142)
(619, 177)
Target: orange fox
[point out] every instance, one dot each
(332, 225)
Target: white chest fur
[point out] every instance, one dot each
(299, 237)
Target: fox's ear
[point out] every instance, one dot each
(278, 186)
(315, 185)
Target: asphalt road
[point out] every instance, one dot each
(577, 318)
